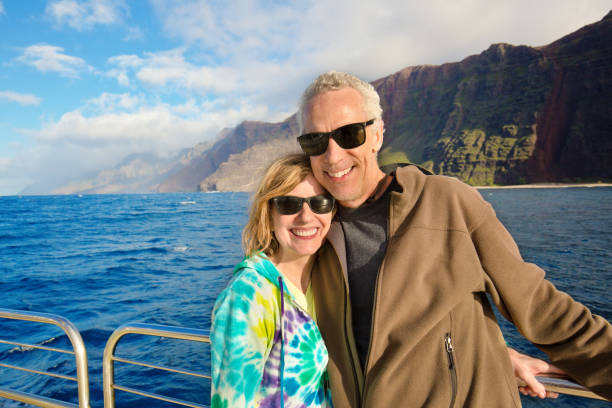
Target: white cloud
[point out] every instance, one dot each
(122, 64)
(126, 61)
(134, 34)
(83, 15)
(12, 180)
(258, 83)
(371, 39)
(108, 102)
(20, 98)
(4, 163)
(136, 126)
(1, 8)
(120, 75)
(189, 108)
(171, 69)
(229, 28)
(51, 58)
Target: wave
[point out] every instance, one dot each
(24, 349)
(134, 251)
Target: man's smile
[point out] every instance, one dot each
(340, 173)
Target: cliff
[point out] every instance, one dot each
(513, 114)
(575, 125)
(137, 173)
(235, 141)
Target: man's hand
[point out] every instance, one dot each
(526, 368)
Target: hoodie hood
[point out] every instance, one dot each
(264, 266)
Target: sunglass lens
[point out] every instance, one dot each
(288, 205)
(350, 136)
(314, 144)
(321, 204)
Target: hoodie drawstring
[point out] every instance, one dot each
(282, 351)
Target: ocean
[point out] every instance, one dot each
(105, 260)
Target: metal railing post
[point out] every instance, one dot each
(78, 346)
(173, 332)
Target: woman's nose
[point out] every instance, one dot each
(305, 213)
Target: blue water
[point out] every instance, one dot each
(105, 260)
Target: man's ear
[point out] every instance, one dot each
(378, 136)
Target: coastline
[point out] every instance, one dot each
(547, 185)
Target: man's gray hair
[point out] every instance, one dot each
(334, 81)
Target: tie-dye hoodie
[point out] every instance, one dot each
(252, 358)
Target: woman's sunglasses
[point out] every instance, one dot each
(288, 205)
(347, 137)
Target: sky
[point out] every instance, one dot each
(86, 83)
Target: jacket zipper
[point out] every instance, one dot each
(346, 339)
(367, 359)
(347, 329)
(448, 344)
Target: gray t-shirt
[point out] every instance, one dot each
(365, 233)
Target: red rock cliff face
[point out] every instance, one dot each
(474, 119)
(552, 126)
(575, 127)
(512, 114)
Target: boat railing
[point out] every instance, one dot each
(560, 384)
(78, 350)
(109, 358)
(563, 384)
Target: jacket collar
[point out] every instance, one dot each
(335, 236)
(412, 180)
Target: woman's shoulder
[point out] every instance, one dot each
(247, 281)
(257, 269)
(250, 283)
(249, 300)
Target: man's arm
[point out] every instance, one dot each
(526, 368)
(576, 340)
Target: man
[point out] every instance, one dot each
(401, 284)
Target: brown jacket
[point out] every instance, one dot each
(435, 341)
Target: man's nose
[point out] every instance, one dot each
(334, 152)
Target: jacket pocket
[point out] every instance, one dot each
(450, 353)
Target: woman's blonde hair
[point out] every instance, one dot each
(282, 176)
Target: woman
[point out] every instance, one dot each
(265, 342)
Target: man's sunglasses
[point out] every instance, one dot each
(347, 137)
(288, 205)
